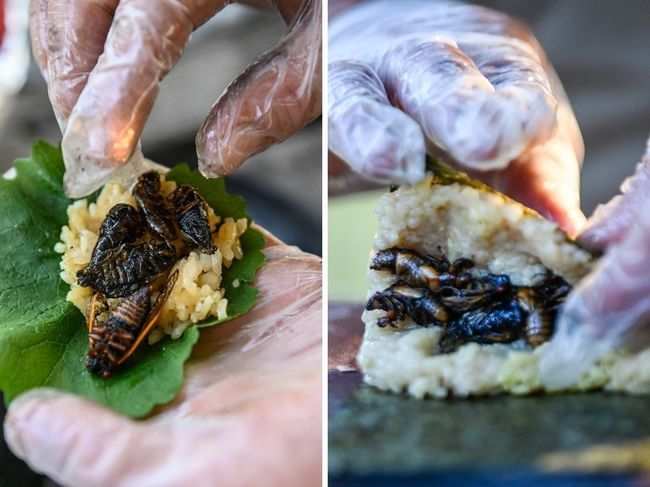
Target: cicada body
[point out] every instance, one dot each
(130, 266)
(155, 209)
(501, 323)
(552, 291)
(540, 319)
(123, 224)
(115, 334)
(192, 217)
(400, 301)
(422, 271)
(477, 292)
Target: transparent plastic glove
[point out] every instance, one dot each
(463, 82)
(611, 307)
(249, 412)
(103, 102)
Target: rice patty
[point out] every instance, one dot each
(464, 219)
(197, 294)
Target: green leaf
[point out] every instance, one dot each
(43, 338)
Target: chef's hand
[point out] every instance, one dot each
(103, 62)
(611, 307)
(249, 412)
(471, 83)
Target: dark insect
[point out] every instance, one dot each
(541, 304)
(552, 291)
(478, 292)
(128, 267)
(503, 322)
(114, 334)
(400, 301)
(135, 251)
(539, 319)
(155, 209)
(423, 271)
(192, 217)
(122, 224)
(479, 307)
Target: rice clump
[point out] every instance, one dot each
(197, 294)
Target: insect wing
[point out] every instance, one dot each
(152, 319)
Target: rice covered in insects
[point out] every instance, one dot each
(403, 348)
(198, 293)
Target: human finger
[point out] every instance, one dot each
(611, 221)
(76, 33)
(275, 97)
(376, 139)
(478, 125)
(144, 42)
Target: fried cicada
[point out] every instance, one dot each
(126, 268)
(116, 329)
(471, 305)
(122, 224)
(400, 301)
(192, 217)
(155, 208)
(422, 270)
(130, 265)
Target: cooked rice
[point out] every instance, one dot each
(197, 293)
(503, 237)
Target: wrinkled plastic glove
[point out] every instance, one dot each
(611, 307)
(103, 62)
(464, 82)
(249, 412)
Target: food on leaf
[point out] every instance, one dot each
(172, 287)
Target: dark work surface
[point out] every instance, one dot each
(489, 479)
(372, 431)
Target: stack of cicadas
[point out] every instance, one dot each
(470, 305)
(130, 267)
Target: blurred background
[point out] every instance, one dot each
(601, 51)
(282, 186)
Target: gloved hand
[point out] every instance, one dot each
(249, 412)
(102, 102)
(465, 81)
(611, 307)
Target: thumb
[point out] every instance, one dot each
(71, 440)
(274, 98)
(611, 221)
(609, 308)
